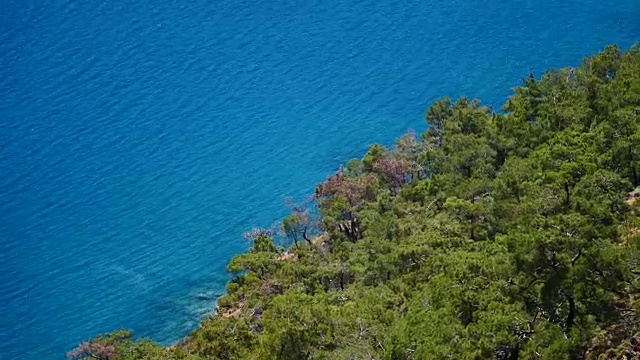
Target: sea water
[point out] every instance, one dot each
(139, 139)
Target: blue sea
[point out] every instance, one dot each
(139, 139)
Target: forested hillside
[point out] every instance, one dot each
(493, 235)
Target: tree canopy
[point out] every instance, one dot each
(492, 235)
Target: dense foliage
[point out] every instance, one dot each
(505, 235)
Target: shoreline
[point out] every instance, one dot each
(236, 310)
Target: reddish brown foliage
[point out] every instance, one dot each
(93, 349)
(354, 189)
(393, 170)
(271, 288)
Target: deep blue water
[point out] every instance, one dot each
(139, 139)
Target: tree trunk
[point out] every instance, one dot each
(304, 235)
(567, 200)
(571, 315)
(514, 354)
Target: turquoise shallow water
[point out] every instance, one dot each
(139, 139)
